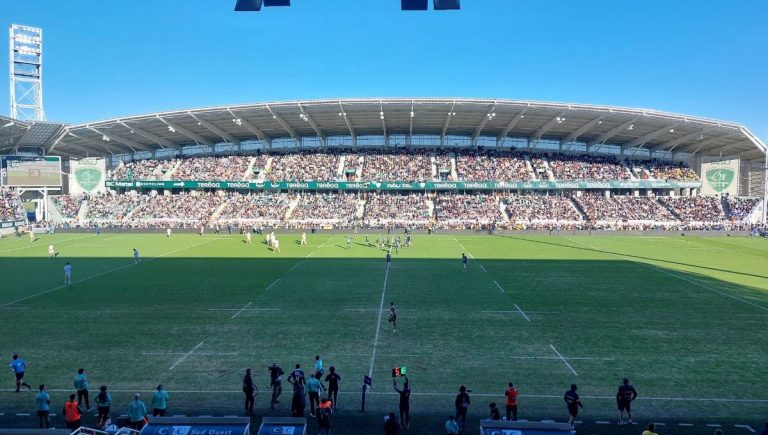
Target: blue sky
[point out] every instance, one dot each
(109, 58)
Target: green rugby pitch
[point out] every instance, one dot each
(682, 317)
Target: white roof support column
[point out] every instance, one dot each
(503, 135)
(488, 116)
(534, 138)
(610, 133)
(215, 130)
(571, 138)
(672, 144)
(383, 123)
(451, 113)
(58, 139)
(410, 125)
(642, 140)
(349, 124)
(239, 120)
(162, 142)
(88, 151)
(127, 142)
(305, 116)
(190, 134)
(285, 125)
(97, 145)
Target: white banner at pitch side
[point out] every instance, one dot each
(87, 175)
(720, 175)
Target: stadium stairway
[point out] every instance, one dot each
(757, 213)
(215, 215)
(629, 170)
(291, 207)
(550, 174)
(169, 174)
(433, 167)
(503, 210)
(360, 209)
(529, 165)
(454, 174)
(83, 212)
(54, 216)
(340, 170)
(578, 208)
(248, 172)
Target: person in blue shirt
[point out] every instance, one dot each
(159, 402)
(19, 367)
(137, 410)
(81, 386)
(43, 402)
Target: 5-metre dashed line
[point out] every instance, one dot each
(100, 274)
(186, 355)
(674, 275)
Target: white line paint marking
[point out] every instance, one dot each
(244, 309)
(310, 254)
(500, 311)
(523, 313)
(347, 354)
(660, 424)
(602, 422)
(378, 323)
(556, 358)
(469, 254)
(241, 310)
(658, 269)
(15, 308)
(744, 426)
(499, 286)
(132, 263)
(294, 267)
(685, 424)
(564, 360)
(481, 267)
(23, 414)
(272, 285)
(547, 421)
(186, 355)
(43, 245)
(182, 353)
(714, 425)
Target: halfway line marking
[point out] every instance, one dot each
(186, 355)
(563, 360)
(378, 323)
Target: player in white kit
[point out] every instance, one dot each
(247, 237)
(168, 233)
(275, 246)
(51, 251)
(303, 239)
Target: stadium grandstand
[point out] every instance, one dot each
(442, 163)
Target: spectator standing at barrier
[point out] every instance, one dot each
(391, 426)
(103, 404)
(72, 413)
(81, 386)
(451, 427)
(324, 417)
(314, 388)
(333, 379)
(43, 404)
(19, 366)
(159, 401)
(137, 411)
(462, 407)
(276, 382)
(573, 403)
(650, 430)
(510, 401)
(298, 400)
(624, 397)
(494, 413)
(405, 402)
(765, 430)
(248, 390)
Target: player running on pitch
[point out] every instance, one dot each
(67, 274)
(349, 242)
(51, 251)
(573, 403)
(464, 261)
(168, 233)
(275, 246)
(393, 316)
(19, 367)
(624, 397)
(303, 239)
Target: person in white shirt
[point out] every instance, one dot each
(275, 246)
(247, 237)
(168, 233)
(51, 251)
(303, 239)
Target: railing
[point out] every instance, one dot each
(91, 431)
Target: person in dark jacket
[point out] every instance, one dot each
(391, 426)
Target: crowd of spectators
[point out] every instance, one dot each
(390, 166)
(143, 170)
(255, 207)
(316, 166)
(112, 208)
(326, 208)
(478, 208)
(695, 208)
(384, 208)
(184, 209)
(598, 207)
(69, 205)
(492, 165)
(10, 205)
(740, 208)
(230, 168)
(444, 165)
(531, 208)
(586, 167)
(670, 171)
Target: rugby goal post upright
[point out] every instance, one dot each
(25, 50)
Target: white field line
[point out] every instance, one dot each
(315, 250)
(714, 425)
(469, 254)
(273, 284)
(558, 358)
(523, 313)
(565, 361)
(42, 246)
(744, 426)
(294, 266)
(186, 355)
(378, 323)
(481, 267)
(515, 311)
(244, 309)
(658, 269)
(182, 353)
(241, 310)
(499, 286)
(559, 397)
(132, 263)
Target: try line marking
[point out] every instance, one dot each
(674, 275)
(132, 263)
(378, 323)
(186, 355)
(565, 361)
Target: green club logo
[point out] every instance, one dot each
(88, 178)
(720, 178)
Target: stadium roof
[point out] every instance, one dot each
(441, 118)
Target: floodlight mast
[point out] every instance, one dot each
(25, 61)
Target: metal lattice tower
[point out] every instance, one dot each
(26, 73)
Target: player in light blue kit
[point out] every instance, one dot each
(67, 274)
